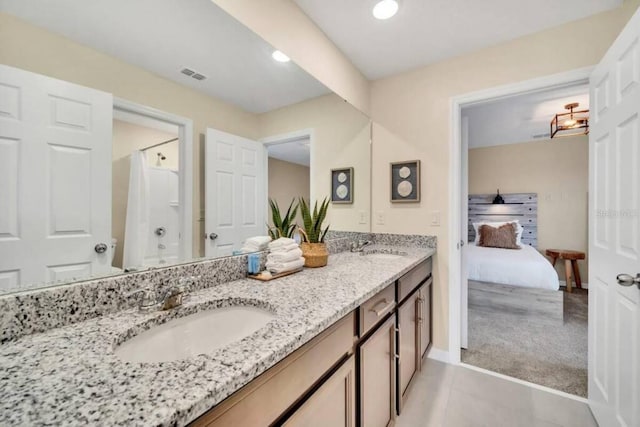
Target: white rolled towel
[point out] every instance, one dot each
(284, 256)
(281, 242)
(283, 267)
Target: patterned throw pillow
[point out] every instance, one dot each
(503, 237)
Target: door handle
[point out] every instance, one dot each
(628, 280)
(213, 236)
(100, 248)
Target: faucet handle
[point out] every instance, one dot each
(149, 298)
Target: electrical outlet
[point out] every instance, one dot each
(380, 218)
(435, 218)
(363, 217)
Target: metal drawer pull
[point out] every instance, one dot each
(384, 309)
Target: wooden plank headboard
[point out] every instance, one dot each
(520, 206)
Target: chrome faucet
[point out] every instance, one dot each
(360, 245)
(170, 299)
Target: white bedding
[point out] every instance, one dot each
(524, 267)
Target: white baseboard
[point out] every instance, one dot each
(439, 355)
(584, 284)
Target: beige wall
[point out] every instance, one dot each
(34, 49)
(341, 139)
(286, 27)
(127, 138)
(287, 181)
(411, 114)
(557, 170)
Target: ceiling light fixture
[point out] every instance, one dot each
(570, 124)
(385, 9)
(279, 56)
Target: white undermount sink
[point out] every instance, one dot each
(198, 333)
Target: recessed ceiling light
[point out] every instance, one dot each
(385, 9)
(279, 56)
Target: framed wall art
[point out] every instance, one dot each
(342, 185)
(405, 182)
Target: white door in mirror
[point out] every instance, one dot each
(55, 179)
(614, 232)
(235, 192)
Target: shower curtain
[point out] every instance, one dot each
(137, 221)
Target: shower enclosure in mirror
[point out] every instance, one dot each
(126, 145)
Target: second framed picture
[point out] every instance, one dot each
(405, 182)
(342, 185)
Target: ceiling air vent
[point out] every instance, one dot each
(541, 135)
(193, 74)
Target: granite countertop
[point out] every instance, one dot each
(71, 375)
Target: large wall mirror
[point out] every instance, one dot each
(153, 133)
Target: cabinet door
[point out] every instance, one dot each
(424, 321)
(333, 404)
(408, 343)
(378, 376)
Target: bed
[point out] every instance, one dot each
(511, 280)
(525, 268)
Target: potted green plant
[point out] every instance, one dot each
(283, 226)
(314, 250)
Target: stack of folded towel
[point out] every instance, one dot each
(284, 255)
(255, 244)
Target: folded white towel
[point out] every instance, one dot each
(278, 243)
(282, 267)
(258, 240)
(284, 249)
(284, 256)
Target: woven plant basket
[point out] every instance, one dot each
(314, 254)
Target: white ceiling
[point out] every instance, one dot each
(427, 31)
(297, 151)
(164, 36)
(521, 118)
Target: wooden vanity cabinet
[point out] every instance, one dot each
(409, 334)
(425, 311)
(414, 325)
(377, 361)
(333, 404)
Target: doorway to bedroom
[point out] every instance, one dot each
(525, 258)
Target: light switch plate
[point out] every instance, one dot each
(380, 218)
(435, 218)
(362, 217)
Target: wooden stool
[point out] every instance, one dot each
(570, 263)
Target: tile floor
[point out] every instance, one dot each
(445, 395)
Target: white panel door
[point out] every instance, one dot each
(464, 232)
(234, 192)
(55, 179)
(614, 232)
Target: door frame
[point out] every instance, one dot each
(140, 114)
(458, 200)
(284, 138)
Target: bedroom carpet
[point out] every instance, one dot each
(532, 349)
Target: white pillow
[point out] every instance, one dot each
(519, 229)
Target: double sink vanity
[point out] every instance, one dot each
(332, 346)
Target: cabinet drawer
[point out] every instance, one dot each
(412, 279)
(376, 308)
